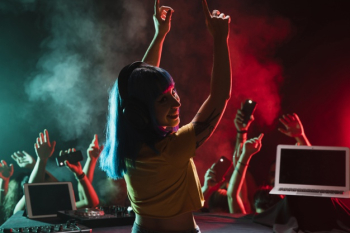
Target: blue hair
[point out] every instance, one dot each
(123, 141)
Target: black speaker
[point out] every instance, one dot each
(134, 111)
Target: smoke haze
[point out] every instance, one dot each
(59, 59)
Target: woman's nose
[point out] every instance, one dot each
(176, 101)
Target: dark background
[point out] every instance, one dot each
(59, 58)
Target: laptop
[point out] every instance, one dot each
(43, 200)
(320, 171)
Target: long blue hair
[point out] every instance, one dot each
(123, 140)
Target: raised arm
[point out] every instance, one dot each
(250, 147)
(162, 24)
(93, 153)
(25, 160)
(294, 128)
(44, 150)
(213, 107)
(242, 130)
(90, 198)
(210, 185)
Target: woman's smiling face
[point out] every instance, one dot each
(167, 107)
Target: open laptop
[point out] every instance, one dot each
(45, 199)
(321, 171)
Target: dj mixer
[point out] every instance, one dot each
(71, 221)
(102, 217)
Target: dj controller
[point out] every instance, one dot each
(71, 221)
(102, 217)
(44, 227)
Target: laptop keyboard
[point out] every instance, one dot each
(311, 190)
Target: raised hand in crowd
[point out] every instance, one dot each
(23, 159)
(250, 147)
(44, 150)
(242, 131)
(5, 174)
(93, 153)
(211, 185)
(294, 128)
(90, 198)
(5, 171)
(162, 23)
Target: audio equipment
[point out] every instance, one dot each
(102, 217)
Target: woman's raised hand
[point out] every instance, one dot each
(162, 18)
(217, 22)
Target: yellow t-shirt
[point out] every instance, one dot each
(165, 185)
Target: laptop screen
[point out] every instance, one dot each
(313, 167)
(45, 199)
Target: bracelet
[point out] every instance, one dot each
(80, 177)
(243, 163)
(243, 131)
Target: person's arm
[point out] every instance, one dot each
(210, 185)
(90, 198)
(294, 129)
(242, 130)
(250, 147)
(43, 149)
(93, 153)
(20, 205)
(162, 24)
(25, 160)
(213, 107)
(209, 180)
(5, 174)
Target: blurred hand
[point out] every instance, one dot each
(23, 159)
(252, 146)
(239, 121)
(5, 171)
(209, 177)
(217, 23)
(43, 148)
(162, 18)
(94, 149)
(292, 124)
(76, 168)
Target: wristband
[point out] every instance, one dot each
(243, 131)
(243, 163)
(80, 177)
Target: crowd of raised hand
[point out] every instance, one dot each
(33, 170)
(239, 194)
